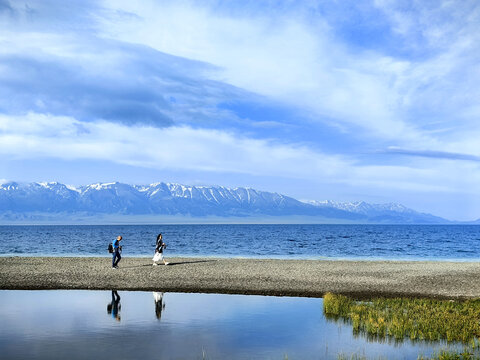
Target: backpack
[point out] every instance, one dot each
(110, 248)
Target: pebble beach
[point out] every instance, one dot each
(306, 278)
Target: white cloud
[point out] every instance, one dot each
(186, 148)
(395, 99)
(290, 58)
(282, 58)
(39, 135)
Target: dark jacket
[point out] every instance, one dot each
(160, 246)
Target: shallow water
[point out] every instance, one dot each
(67, 324)
(411, 242)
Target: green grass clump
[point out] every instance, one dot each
(417, 319)
(442, 355)
(451, 355)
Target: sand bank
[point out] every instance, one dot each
(455, 280)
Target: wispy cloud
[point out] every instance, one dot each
(132, 84)
(282, 57)
(432, 154)
(300, 57)
(37, 135)
(30, 136)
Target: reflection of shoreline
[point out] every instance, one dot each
(363, 279)
(159, 304)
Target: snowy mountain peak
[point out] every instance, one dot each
(48, 184)
(11, 185)
(362, 207)
(183, 200)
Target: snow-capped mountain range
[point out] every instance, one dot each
(361, 207)
(25, 200)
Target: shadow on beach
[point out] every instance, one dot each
(169, 264)
(190, 262)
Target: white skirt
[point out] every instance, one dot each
(158, 257)
(157, 296)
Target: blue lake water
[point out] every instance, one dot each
(67, 324)
(408, 242)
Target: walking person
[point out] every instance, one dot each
(117, 249)
(160, 245)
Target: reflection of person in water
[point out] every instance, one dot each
(114, 307)
(159, 305)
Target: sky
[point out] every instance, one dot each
(373, 101)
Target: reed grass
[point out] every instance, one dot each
(442, 355)
(415, 319)
(451, 355)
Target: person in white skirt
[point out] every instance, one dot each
(159, 251)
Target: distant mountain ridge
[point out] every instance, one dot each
(24, 200)
(362, 207)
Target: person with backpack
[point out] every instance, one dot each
(117, 249)
(160, 245)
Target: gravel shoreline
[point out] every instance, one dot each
(309, 278)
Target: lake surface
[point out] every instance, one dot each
(407, 242)
(68, 324)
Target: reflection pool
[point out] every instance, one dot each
(70, 324)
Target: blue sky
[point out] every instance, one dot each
(341, 100)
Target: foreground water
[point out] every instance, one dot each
(142, 325)
(408, 242)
